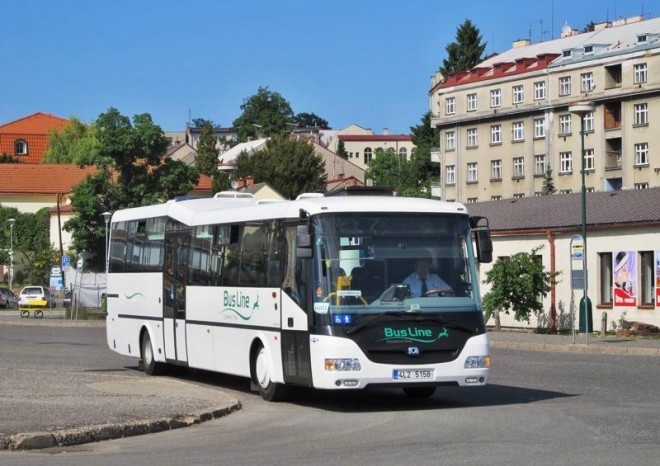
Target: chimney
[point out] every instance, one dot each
(249, 180)
(386, 131)
(521, 43)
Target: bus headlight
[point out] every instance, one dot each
(342, 365)
(477, 362)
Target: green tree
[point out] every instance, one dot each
(590, 27)
(76, 143)
(310, 120)
(390, 170)
(207, 151)
(341, 150)
(517, 283)
(264, 114)
(288, 165)
(201, 122)
(132, 171)
(6, 158)
(466, 51)
(548, 183)
(33, 253)
(425, 138)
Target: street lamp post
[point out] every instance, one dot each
(106, 217)
(582, 109)
(11, 252)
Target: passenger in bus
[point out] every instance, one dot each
(424, 283)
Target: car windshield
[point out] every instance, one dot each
(409, 262)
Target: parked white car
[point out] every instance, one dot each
(33, 295)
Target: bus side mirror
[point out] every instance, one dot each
(484, 246)
(303, 242)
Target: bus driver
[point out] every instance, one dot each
(423, 283)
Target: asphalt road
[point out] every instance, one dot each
(540, 408)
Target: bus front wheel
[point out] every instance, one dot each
(151, 367)
(261, 376)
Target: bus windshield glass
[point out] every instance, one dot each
(399, 262)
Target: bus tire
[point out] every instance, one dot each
(419, 392)
(151, 367)
(269, 390)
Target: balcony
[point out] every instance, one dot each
(435, 154)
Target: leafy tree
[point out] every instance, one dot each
(548, 183)
(310, 120)
(265, 113)
(467, 50)
(133, 171)
(33, 252)
(425, 138)
(76, 143)
(6, 158)
(207, 151)
(341, 150)
(517, 282)
(389, 169)
(288, 165)
(201, 122)
(590, 27)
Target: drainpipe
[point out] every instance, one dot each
(553, 289)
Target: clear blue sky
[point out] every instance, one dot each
(367, 62)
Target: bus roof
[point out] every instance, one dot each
(229, 210)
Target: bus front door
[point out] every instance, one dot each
(177, 239)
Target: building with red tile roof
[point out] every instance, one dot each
(26, 139)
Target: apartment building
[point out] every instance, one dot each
(505, 122)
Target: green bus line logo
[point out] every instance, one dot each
(240, 304)
(420, 335)
(129, 297)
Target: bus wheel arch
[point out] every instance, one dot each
(260, 373)
(151, 366)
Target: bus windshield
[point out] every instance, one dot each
(400, 262)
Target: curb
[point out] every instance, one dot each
(89, 434)
(576, 348)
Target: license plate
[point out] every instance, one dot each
(413, 374)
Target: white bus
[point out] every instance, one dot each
(308, 292)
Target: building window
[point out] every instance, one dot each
(640, 73)
(647, 275)
(495, 98)
(518, 195)
(565, 85)
(518, 167)
(495, 170)
(642, 153)
(590, 190)
(605, 278)
(565, 162)
(472, 200)
(471, 102)
(451, 174)
(540, 166)
(565, 125)
(589, 160)
(518, 94)
(565, 191)
(587, 82)
(21, 147)
(472, 172)
(450, 105)
(518, 130)
(368, 154)
(539, 127)
(472, 139)
(641, 186)
(589, 122)
(451, 140)
(403, 152)
(496, 134)
(539, 90)
(641, 114)
(495, 198)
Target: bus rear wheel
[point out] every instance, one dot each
(419, 392)
(269, 390)
(151, 367)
